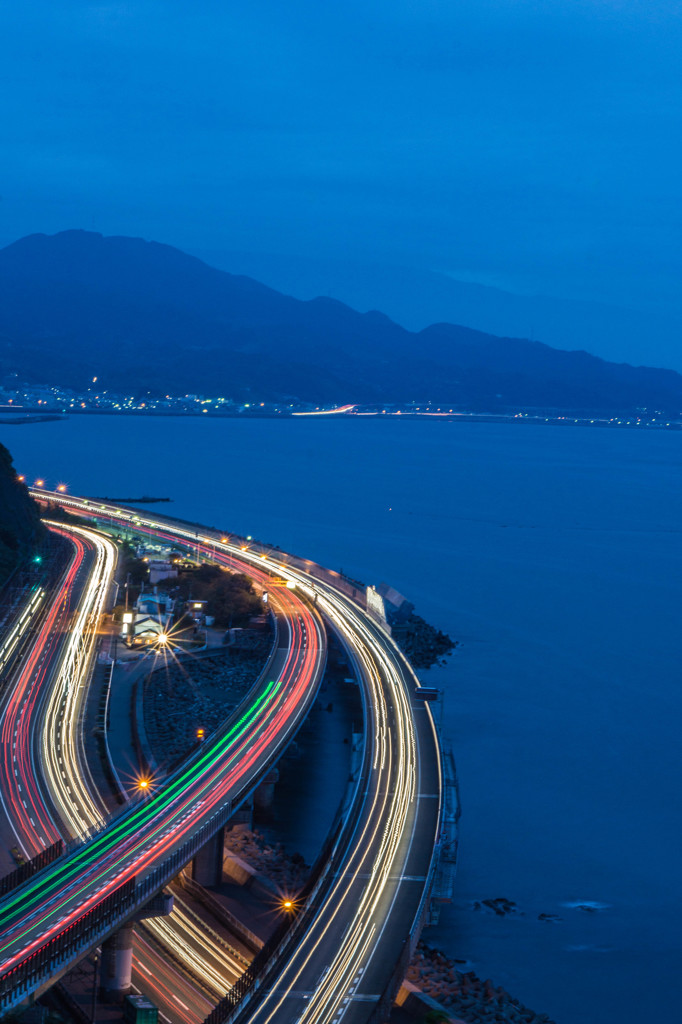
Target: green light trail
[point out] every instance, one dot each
(65, 871)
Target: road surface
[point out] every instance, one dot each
(141, 838)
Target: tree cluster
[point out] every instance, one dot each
(21, 531)
(229, 596)
(132, 566)
(62, 515)
(133, 572)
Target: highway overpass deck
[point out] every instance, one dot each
(352, 945)
(350, 951)
(145, 845)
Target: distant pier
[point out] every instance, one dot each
(144, 500)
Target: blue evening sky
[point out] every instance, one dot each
(530, 145)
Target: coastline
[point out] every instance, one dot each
(598, 420)
(501, 518)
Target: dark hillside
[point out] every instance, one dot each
(143, 316)
(20, 526)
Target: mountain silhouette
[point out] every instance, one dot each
(144, 316)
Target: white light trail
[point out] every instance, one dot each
(387, 823)
(62, 735)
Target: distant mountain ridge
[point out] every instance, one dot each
(415, 298)
(141, 315)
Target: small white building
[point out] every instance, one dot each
(160, 569)
(148, 620)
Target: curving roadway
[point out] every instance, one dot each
(141, 838)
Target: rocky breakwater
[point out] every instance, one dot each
(285, 871)
(194, 693)
(423, 644)
(464, 996)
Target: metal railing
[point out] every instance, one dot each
(31, 867)
(75, 940)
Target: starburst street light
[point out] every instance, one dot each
(141, 782)
(144, 784)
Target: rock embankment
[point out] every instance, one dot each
(197, 693)
(463, 995)
(288, 871)
(422, 644)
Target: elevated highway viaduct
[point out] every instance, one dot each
(349, 945)
(52, 920)
(349, 950)
(61, 645)
(47, 791)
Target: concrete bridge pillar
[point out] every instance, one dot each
(117, 964)
(264, 796)
(207, 866)
(117, 950)
(244, 816)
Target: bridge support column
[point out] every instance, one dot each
(264, 796)
(207, 866)
(117, 964)
(244, 816)
(117, 950)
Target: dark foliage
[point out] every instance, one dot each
(20, 528)
(230, 596)
(62, 515)
(132, 566)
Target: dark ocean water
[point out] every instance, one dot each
(554, 555)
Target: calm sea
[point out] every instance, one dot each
(554, 556)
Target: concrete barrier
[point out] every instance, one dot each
(421, 1007)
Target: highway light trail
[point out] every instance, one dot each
(189, 939)
(167, 987)
(131, 845)
(361, 900)
(22, 799)
(20, 627)
(371, 900)
(63, 757)
(357, 907)
(56, 728)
